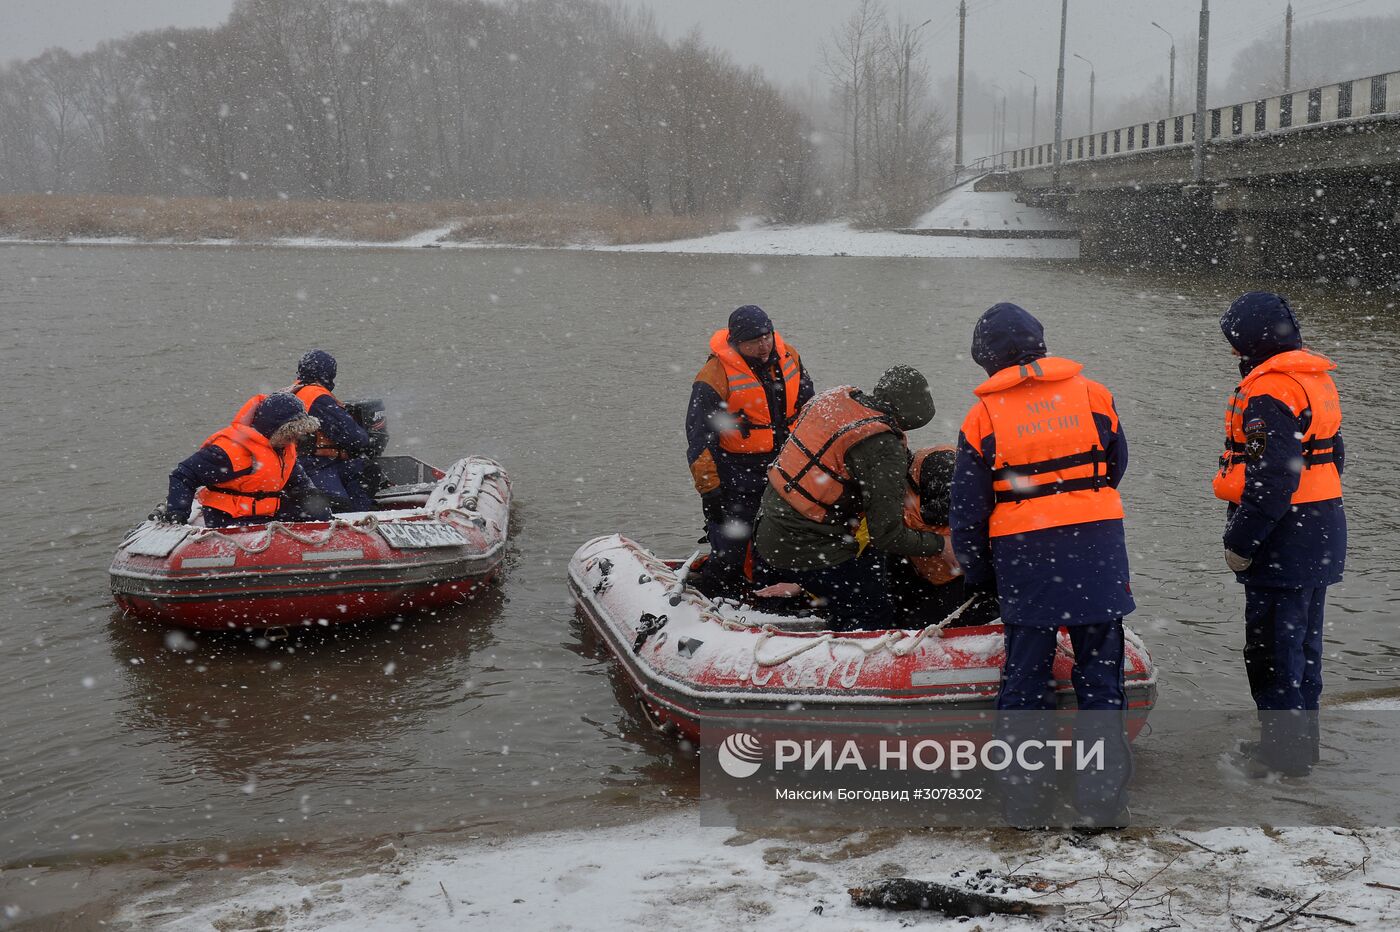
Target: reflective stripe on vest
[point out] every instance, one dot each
(1050, 469)
(257, 494)
(1319, 479)
(810, 473)
(748, 401)
(943, 567)
(321, 444)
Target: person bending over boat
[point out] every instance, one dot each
(929, 589)
(1036, 517)
(847, 458)
(340, 458)
(248, 472)
(742, 404)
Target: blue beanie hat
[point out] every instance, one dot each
(317, 366)
(1260, 324)
(748, 323)
(275, 410)
(1006, 335)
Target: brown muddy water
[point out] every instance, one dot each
(572, 369)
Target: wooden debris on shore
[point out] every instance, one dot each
(903, 893)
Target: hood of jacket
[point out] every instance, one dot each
(1006, 335)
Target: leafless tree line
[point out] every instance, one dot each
(424, 99)
(893, 135)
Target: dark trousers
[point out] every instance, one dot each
(856, 592)
(723, 572)
(1028, 694)
(1028, 681)
(346, 482)
(1283, 660)
(1283, 646)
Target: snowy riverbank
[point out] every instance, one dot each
(670, 873)
(969, 220)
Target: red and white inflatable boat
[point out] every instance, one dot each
(434, 537)
(716, 664)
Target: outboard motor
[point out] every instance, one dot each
(370, 415)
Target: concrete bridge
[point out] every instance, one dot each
(1301, 184)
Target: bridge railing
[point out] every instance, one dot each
(1330, 103)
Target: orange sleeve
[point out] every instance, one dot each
(712, 374)
(704, 473)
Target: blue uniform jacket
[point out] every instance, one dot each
(742, 473)
(1293, 546)
(1072, 575)
(210, 466)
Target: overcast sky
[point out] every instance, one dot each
(783, 36)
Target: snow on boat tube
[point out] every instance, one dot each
(434, 538)
(717, 664)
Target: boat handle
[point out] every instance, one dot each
(676, 592)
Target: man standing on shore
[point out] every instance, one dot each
(1285, 530)
(1037, 520)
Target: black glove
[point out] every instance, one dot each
(379, 439)
(713, 505)
(162, 515)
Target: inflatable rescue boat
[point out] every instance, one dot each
(434, 537)
(699, 663)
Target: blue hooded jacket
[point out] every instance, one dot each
(1073, 575)
(1293, 546)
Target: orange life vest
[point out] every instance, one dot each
(810, 472)
(940, 568)
(747, 400)
(1300, 380)
(320, 444)
(258, 493)
(1050, 469)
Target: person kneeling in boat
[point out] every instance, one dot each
(847, 458)
(340, 458)
(248, 472)
(929, 589)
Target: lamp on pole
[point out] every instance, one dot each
(902, 125)
(1171, 74)
(1035, 97)
(962, 42)
(1091, 90)
(998, 123)
(1198, 144)
(1060, 95)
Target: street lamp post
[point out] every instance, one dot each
(998, 124)
(962, 42)
(1091, 90)
(1060, 96)
(1198, 146)
(903, 124)
(1171, 74)
(1035, 97)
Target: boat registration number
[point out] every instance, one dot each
(420, 534)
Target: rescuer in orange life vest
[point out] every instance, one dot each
(845, 460)
(247, 473)
(929, 589)
(339, 458)
(1285, 531)
(741, 405)
(1036, 518)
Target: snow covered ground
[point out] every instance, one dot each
(966, 209)
(670, 873)
(961, 210)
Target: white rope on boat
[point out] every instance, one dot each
(899, 643)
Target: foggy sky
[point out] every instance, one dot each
(783, 36)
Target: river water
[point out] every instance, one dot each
(572, 369)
